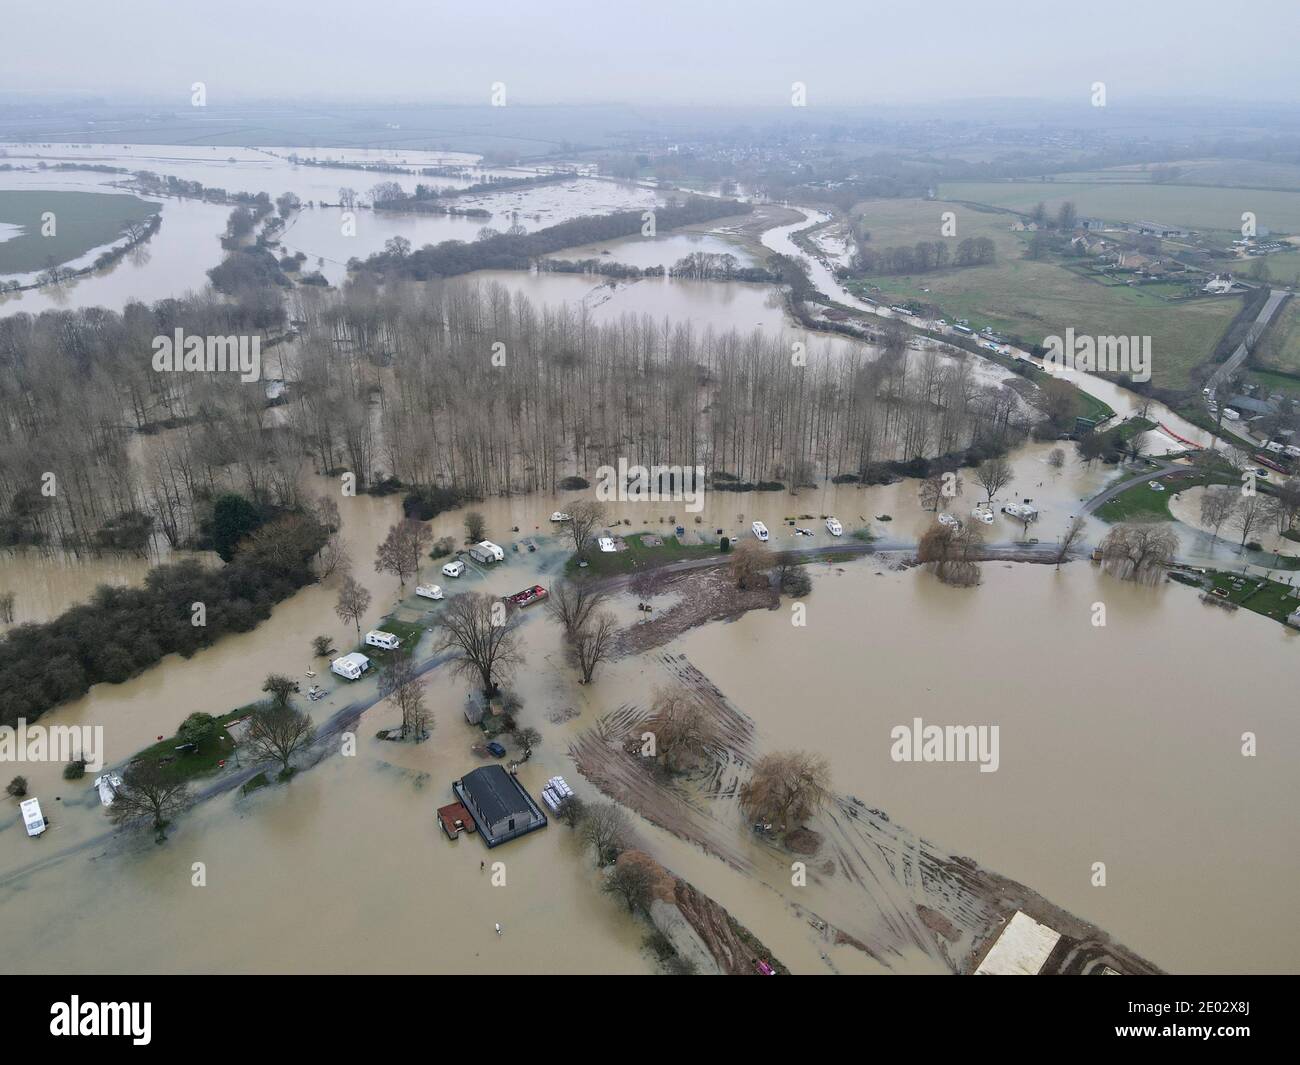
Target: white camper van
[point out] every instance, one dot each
(760, 530)
(428, 591)
(32, 817)
(834, 527)
(386, 640)
(487, 552)
(350, 667)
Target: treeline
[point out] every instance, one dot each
(391, 196)
(516, 251)
(121, 632)
(924, 256)
(710, 266)
(602, 267)
(91, 436)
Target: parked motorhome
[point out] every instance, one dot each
(760, 530)
(487, 552)
(350, 667)
(387, 640)
(834, 527)
(1021, 511)
(33, 819)
(428, 591)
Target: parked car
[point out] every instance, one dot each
(496, 750)
(453, 569)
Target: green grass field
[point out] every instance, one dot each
(1034, 299)
(82, 221)
(1270, 598)
(1208, 209)
(637, 556)
(1139, 503)
(1281, 348)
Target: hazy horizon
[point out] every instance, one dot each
(671, 53)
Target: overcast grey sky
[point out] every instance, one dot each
(718, 52)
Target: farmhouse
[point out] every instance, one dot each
(501, 808)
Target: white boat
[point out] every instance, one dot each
(107, 785)
(428, 591)
(834, 527)
(559, 515)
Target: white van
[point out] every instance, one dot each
(760, 530)
(834, 527)
(428, 591)
(387, 640)
(487, 552)
(453, 569)
(32, 817)
(350, 667)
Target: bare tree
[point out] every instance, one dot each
(786, 788)
(1056, 458)
(631, 881)
(1217, 505)
(605, 826)
(1139, 552)
(484, 632)
(334, 557)
(681, 729)
(401, 683)
(585, 517)
(939, 486)
(593, 643)
(6, 607)
(280, 688)
(993, 475)
(951, 553)
(148, 793)
(278, 732)
(403, 548)
(750, 563)
(572, 602)
(1072, 533)
(475, 527)
(353, 602)
(1251, 512)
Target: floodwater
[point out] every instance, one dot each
(1119, 744)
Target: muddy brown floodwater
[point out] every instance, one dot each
(1118, 744)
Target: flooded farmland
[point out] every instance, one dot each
(1120, 743)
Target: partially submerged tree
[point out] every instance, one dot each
(572, 602)
(593, 643)
(1253, 511)
(278, 732)
(1217, 505)
(148, 794)
(322, 645)
(631, 881)
(993, 475)
(280, 688)
(485, 634)
(353, 602)
(952, 553)
(401, 683)
(681, 729)
(475, 527)
(786, 788)
(605, 826)
(1139, 552)
(403, 548)
(585, 517)
(750, 563)
(1068, 538)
